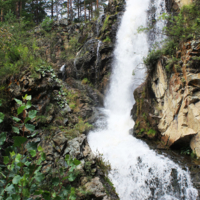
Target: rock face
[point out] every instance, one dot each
(85, 48)
(173, 101)
(66, 107)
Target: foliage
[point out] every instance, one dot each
(181, 27)
(151, 132)
(18, 50)
(107, 40)
(105, 24)
(47, 24)
(102, 164)
(21, 173)
(85, 81)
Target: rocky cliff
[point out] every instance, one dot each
(167, 104)
(66, 99)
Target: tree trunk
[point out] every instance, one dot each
(91, 10)
(71, 10)
(68, 13)
(78, 9)
(17, 10)
(20, 8)
(57, 10)
(85, 10)
(97, 3)
(51, 9)
(36, 14)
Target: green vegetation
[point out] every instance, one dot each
(21, 173)
(180, 28)
(107, 40)
(106, 22)
(85, 81)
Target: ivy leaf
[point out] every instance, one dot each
(21, 109)
(16, 119)
(32, 114)
(18, 101)
(1, 117)
(30, 127)
(5, 160)
(15, 129)
(2, 138)
(18, 141)
(16, 179)
(28, 104)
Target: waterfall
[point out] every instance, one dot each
(138, 173)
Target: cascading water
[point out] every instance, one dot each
(138, 173)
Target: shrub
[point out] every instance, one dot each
(21, 173)
(47, 24)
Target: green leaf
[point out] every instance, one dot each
(18, 101)
(16, 119)
(72, 194)
(2, 174)
(5, 160)
(31, 146)
(18, 141)
(15, 129)
(18, 158)
(10, 189)
(30, 127)
(40, 148)
(72, 177)
(76, 162)
(43, 156)
(32, 114)
(16, 179)
(27, 119)
(21, 109)
(1, 117)
(33, 153)
(12, 154)
(67, 157)
(55, 181)
(28, 104)
(2, 138)
(39, 177)
(26, 192)
(26, 97)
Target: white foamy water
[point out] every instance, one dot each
(138, 173)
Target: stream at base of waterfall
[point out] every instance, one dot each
(138, 173)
